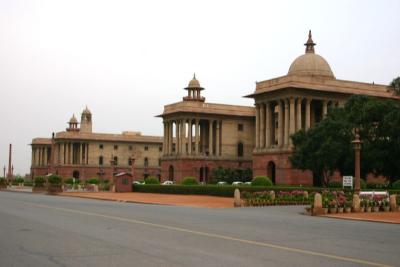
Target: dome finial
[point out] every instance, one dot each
(194, 75)
(310, 44)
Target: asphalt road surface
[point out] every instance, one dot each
(40, 230)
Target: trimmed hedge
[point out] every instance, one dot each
(224, 191)
(396, 185)
(151, 181)
(39, 181)
(93, 181)
(189, 181)
(261, 181)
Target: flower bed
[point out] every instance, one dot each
(272, 198)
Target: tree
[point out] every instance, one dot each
(395, 84)
(327, 146)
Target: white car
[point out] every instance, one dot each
(221, 183)
(168, 183)
(237, 183)
(137, 182)
(247, 183)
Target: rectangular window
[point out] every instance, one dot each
(101, 146)
(115, 147)
(146, 148)
(101, 160)
(130, 147)
(240, 127)
(160, 148)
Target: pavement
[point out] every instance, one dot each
(383, 217)
(44, 230)
(162, 199)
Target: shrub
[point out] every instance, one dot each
(189, 181)
(396, 184)
(19, 180)
(151, 180)
(376, 186)
(261, 181)
(54, 179)
(69, 181)
(93, 181)
(335, 184)
(39, 181)
(28, 183)
(363, 184)
(3, 181)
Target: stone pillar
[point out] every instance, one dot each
(286, 123)
(197, 138)
(292, 119)
(268, 120)
(165, 138)
(280, 123)
(183, 137)
(217, 138)
(262, 125)
(210, 138)
(308, 113)
(298, 114)
(190, 137)
(257, 126)
(87, 153)
(324, 108)
(45, 155)
(176, 137)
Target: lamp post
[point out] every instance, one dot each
(357, 148)
(4, 172)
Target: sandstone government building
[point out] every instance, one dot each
(200, 136)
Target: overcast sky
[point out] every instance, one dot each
(126, 59)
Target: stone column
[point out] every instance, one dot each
(176, 137)
(217, 137)
(190, 137)
(87, 153)
(197, 138)
(183, 137)
(298, 114)
(268, 121)
(324, 108)
(292, 119)
(170, 137)
(257, 126)
(165, 137)
(308, 113)
(286, 123)
(210, 138)
(45, 155)
(280, 124)
(262, 125)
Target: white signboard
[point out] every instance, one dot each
(348, 181)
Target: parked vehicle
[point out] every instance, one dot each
(168, 183)
(237, 183)
(137, 182)
(222, 183)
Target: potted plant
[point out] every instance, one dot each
(39, 184)
(362, 205)
(325, 205)
(367, 205)
(54, 184)
(347, 206)
(385, 204)
(375, 206)
(332, 207)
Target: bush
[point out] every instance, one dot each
(28, 183)
(39, 181)
(151, 180)
(3, 181)
(93, 181)
(377, 186)
(19, 180)
(335, 184)
(396, 185)
(189, 181)
(261, 181)
(54, 179)
(69, 181)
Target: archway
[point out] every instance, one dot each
(204, 174)
(271, 171)
(171, 173)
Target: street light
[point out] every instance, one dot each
(357, 148)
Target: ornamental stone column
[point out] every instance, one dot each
(210, 138)
(217, 143)
(280, 124)
(177, 137)
(324, 108)
(262, 125)
(286, 123)
(298, 114)
(308, 113)
(257, 126)
(171, 137)
(183, 136)
(165, 137)
(268, 120)
(197, 148)
(292, 129)
(190, 137)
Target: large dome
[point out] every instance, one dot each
(310, 64)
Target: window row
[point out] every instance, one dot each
(146, 148)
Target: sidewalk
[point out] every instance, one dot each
(384, 217)
(161, 199)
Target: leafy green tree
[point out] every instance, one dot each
(327, 146)
(395, 84)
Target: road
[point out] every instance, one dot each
(41, 230)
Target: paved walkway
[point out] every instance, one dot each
(163, 199)
(386, 217)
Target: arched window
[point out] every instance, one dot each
(101, 160)
(130, 161)
(116, 161)
(146, 162)
(240, 149)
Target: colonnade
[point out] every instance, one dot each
(73, 153)
(192, 137)
(278, 119)
(40, 155)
